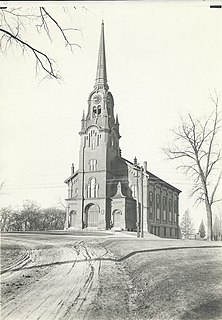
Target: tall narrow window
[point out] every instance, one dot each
(151, 204)
(158, 206)
(175, 210)
(93, 143)
(94, 112)
(133, 188)
(164, 208)
(71, 191)
(92, 189)
(170, 210)
(92, 165)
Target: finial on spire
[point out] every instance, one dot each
(101, 76)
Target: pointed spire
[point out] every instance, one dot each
(101, 76)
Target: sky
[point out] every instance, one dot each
(163, 60)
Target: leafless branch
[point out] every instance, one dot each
(16, 22)
(41, 58)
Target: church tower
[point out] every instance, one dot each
(90, 188)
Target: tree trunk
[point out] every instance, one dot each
(209, 220)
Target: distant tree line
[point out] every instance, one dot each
(31, 217)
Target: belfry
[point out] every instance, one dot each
(108, 191)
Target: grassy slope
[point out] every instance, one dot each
(178, 284)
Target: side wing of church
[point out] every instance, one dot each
(108, 191)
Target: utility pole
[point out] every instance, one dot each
(83, 182)
(137, 203)
(141, 173)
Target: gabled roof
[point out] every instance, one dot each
(72, 176)
(152, 176)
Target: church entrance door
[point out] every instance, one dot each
(117, 215)
(73, 218)
(92, 216)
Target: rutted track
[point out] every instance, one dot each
(58, 291)
(23, 259)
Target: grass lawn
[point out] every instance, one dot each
(173, 284)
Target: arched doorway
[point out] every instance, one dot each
(91, 216)
(117, 219)
(73, 215)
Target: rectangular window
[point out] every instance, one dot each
(164, 231)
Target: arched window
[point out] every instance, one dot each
(158, 206)
(92, 189)
(96, 111)
(164, 208)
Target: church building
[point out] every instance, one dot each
(108, 191)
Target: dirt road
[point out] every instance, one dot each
(50, 279)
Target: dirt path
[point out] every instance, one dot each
(51, 281)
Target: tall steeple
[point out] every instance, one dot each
(101, 76)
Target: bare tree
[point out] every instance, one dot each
(196, 145)
(17, 23)
(30, 215)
